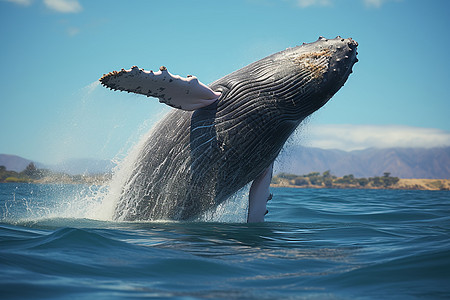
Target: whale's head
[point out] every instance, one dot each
(311, 74)
(295, 82)
(263, 103)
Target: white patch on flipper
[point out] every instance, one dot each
(259, 195)
(176, 91)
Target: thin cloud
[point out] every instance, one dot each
(64, 6)
(358, 137)
(307, 3)
(72, 31)
(375, 3)
(21, 2)
(368, 3)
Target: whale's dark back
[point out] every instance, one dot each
(193, 161)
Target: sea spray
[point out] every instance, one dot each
(297, 138)
(104, 200)
(38, 202)
(232, 210)
(121, 173)
(99, 202)
(33, 202)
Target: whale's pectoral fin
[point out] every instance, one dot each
(176, 91)
(259, 195)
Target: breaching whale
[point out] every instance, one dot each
(223, 136)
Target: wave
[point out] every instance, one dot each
(315, 243)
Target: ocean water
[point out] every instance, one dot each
(56, 243)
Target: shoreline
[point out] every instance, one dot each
(402, 184)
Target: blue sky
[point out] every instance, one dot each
(54, 51)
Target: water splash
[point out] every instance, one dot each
(89, 89)
(45, 202)
(98, 202)
(233, 210)
(121, 173)
(32, 202)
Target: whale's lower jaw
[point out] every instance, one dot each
(193, 161)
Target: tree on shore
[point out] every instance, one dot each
(30, 171)
(328, 180)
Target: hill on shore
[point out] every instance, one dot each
(431, 163)
(71, 166)
(13, 162)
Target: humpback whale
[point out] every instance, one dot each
(223, 136)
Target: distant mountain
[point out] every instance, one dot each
(431, 163)
(14, 162)
(71, 167)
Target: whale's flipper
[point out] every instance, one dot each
(174, 90)
(259, 195)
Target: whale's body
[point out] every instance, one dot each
(194, 160)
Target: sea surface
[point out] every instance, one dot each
(56, 243)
